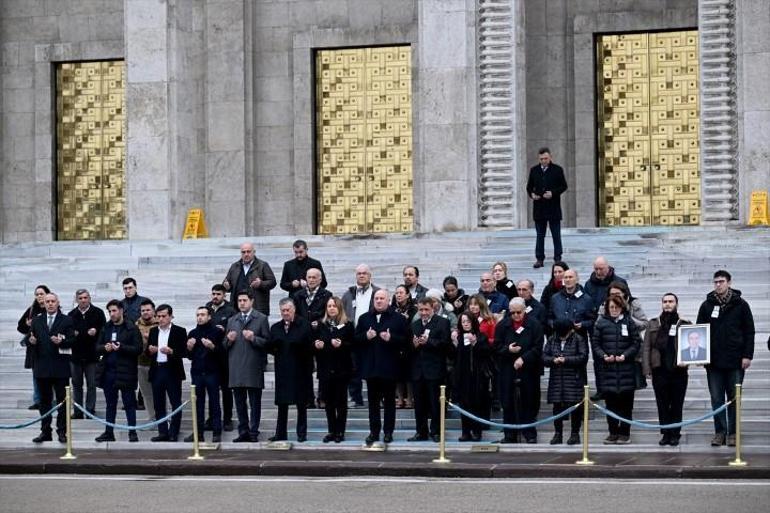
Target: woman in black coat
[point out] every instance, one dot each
(566, 355)
(615, 344)
(553, 286)
(404, 304)
(333, 341)
(472, 372)
(24, 326)
(519, 346)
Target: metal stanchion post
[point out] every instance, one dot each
(196, 452)
(442, 416)
(68, 406)
(738, 462)
(586, 405)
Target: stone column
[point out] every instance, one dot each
(445, 130)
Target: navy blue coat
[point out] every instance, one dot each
(610, 338)
(378, 358)
(496, 301)
(124, 360)
(205, 360)
(597, 288)
(576, 307)
(566, 380)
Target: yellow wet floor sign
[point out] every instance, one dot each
(195, 227)
(758, 209)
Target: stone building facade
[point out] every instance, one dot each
(222, 109)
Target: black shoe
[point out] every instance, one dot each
(465, 438)
(372, 438)
(140, 407)
(538, 264)
(216, 438)
(557, 439)
(253, 438)
(476, 437)
(34, 406)
(673, 441)
(160, 438)
(665, 440)
(276, 438)
(227, 426)
(173, 438)
(597, 397)
(78, 415)
(388, 438)
(573, 439)
(301, 438)
(105, 437)
(42, 437)
(718, 440)
(189, 439)
(132, 436)
(507, 440)
(62, 438)
(435, 438)
(417, 437)
(207, 425)
(532, 440)
(328, 438)
(341, 438)
(245, 437)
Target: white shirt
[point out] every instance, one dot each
(363, 299)
(163, 342)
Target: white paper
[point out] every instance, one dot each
(579, 293)
(672, 331)
(528, 309)
(624, 330)
(715, 312)
(520, 330)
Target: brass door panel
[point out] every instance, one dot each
(90, 150)
(364, 140)
(648, 129)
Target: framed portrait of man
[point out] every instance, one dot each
(694, 344)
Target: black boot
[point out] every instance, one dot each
(557, 438)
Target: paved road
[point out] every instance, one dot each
(62, 494)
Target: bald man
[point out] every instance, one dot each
(252, 275)
(600, 280)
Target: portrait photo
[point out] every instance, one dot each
(694, 344)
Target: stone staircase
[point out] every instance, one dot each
(654, 260)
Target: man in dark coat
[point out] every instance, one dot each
(167, 346)
(52, 336)
(132, 301)
(496, 301)
(534, 308)
(519, 345)
(204, 345)
(87, 321)
(252, 274)
(545, 185)
(294, 270)
(247, 343)
(380, 337)
(412, 282)
(118, 347)
(732, 349)
(291, 343)
(597, 285)
(221, 311)
(573, 304)
(431, 344)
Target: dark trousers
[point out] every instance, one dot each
(479, 406)
(248, 421)
(165, 383)
(722, 384)
(381, 390)
(540, 227)
(426, 402)
(50, 388)
(356, 385)
(576, 418)
(78, 371)
(111, 400)
(520, 407)
(620, 403)
(207, 384)
(670, 387)
(335, 393)
(283, 421)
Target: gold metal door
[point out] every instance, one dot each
(648, 129)
(364, 140)
(90, 150)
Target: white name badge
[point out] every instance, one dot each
(353, 303)
(509, 284)
(528, 309)
(520, 330)
(65, 351)
(672, 331)
(715, 312)
(624, 330)
(489, 301)
(579, 293)
(426, 333)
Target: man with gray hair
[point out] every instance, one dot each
(535, 308)
(88, 320)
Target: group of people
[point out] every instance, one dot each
(488, 347)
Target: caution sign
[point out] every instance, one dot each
(758, 210)
(195, 227)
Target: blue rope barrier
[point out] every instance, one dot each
(646, 425)
(124, 427)
(25, 424)
(513, 426)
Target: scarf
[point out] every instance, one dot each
(723, 300)
(518, 324)
(557, 284)
(667, 319)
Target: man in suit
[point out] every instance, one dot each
(412, 282)
(545, 185)
(87, 320)
(252, 274)
(358, 300)
(52, 336)
(695, 350)
(380, 337)
(246, 341)
(431, 344)
(167, 345)
(293, 276)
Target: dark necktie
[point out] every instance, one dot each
(50, 321)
